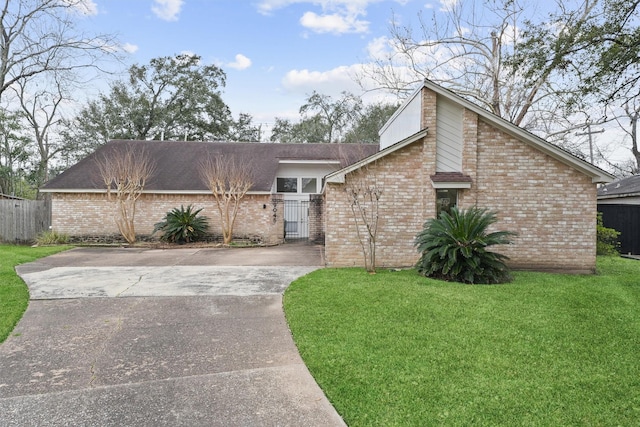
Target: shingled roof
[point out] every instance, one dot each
(625, 187)
(176, 163)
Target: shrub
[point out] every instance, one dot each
(52, 237)
(182, 225)
(607, 240)
(454, 246)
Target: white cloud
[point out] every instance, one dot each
(446, 5)
(333, 23)
(241, 62)
(335, 81)
(83, 7)
(167, 10)
(334, 16)
(378, 48)
(129, 48)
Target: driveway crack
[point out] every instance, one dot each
(131, 286)
(102, 348)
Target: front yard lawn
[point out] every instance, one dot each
(14, 295)
(397, 349)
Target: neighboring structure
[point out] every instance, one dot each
(619, 203)
(284, 197)
(439, 150)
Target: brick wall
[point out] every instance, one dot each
(400, 212)
(549, 204)
(80, 214)
(316, 218)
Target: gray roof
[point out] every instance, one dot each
(624, 187)
(176, 163)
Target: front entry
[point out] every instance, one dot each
(296, 219)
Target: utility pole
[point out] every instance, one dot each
(589, 132)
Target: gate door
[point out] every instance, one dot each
(296, 219)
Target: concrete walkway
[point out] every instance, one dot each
(189, 337)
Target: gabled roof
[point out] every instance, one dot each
(176, 163)
(338, 176)
(597, 175)
(624, 187)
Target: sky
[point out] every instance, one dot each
(274, 52)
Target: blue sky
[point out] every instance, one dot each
(274, 52)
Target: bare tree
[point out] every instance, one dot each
(40, 36)
(124, 170)
(497, 55)
(363, 191)
(40, 108)
(229, 180)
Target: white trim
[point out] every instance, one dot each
(618, 196)
(176, 192)
(310, 162)
(338, 177)
(597, 175)
(459, 185)
(635, 200)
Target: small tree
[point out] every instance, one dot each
(364, 192)
(229, 180)
(124, 170)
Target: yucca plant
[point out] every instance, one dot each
(454, 246)
(182, 225)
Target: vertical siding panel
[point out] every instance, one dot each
(449, 119)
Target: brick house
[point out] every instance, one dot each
(439, 150)
(284, 201)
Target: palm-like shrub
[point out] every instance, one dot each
(454, 247)
(182, 225)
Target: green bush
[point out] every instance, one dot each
(607, 238)
(52, 237)
(182, 225)
(454, 246)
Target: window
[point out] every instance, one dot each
(287, 185)
(309, 185)
(446, 198)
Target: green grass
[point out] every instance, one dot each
(14, 295)
(397, 349)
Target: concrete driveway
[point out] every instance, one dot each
(191, 337)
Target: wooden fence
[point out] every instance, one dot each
(22, 220)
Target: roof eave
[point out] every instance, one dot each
(104, 191)
(338, 177)
(618, 196)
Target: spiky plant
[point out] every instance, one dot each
(454, 247)
(182, 225)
